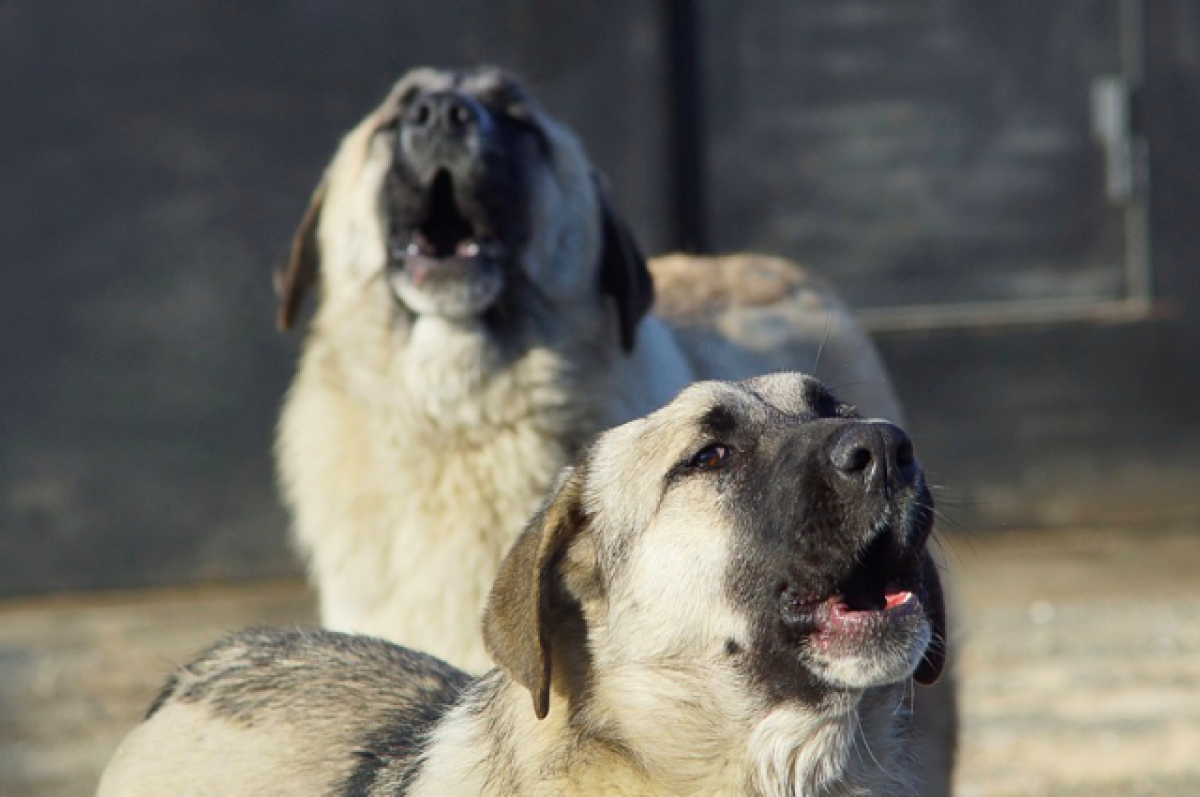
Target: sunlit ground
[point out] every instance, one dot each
(1078, 655)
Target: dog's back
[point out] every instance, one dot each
(738, 316)
(274, 712)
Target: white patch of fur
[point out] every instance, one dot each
(186, 751)
(828, 754)
(409, 451)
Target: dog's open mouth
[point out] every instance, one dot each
(881, 593)
(447, 264)
(444, 235)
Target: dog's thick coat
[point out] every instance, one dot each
(414, 443)
(482, 312)
(730, 596)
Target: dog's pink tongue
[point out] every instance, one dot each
(841, 614)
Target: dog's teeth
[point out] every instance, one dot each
(413, 249)
(468, 249)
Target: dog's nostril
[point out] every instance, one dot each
(422, 114)
(854, 460)
(866, 452)
(460, 114)
(447, 111)
(856, 450)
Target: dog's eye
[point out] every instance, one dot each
(710, 457)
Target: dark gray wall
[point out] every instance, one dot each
(1084, 422)
(156, 157)
(940, 156)
(926, 153)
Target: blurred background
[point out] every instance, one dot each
(1008, 192)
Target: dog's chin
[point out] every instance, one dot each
(456, 288)
(861, 649)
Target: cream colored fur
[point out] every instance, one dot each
(409, 457)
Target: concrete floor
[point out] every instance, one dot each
(1078, 653)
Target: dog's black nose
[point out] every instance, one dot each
(446, 113)
(877, 455)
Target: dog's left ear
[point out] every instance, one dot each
(527, 601)
(298, 273)
(934, 661)
(623, 271)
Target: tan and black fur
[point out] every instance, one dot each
(482, 311)
(731, 596)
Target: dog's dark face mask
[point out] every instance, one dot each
(488, 209)
(458, 200)
(833, 515)
(761, 528)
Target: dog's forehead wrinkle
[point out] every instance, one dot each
(796, 393)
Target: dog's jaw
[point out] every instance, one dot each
(872, 630)
(867, 652)
(446, 265)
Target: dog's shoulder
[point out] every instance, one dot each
(691, 288)
(262, 670)
(737, 316)
(288, 709)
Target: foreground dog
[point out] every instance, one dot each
(729, 596)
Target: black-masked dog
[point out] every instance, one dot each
(482, 312)
(730, 596)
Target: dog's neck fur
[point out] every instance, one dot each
(780, 752)
(457, 432)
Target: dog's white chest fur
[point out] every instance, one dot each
(411, 478)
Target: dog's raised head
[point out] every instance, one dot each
(458, 197)
(750, 547)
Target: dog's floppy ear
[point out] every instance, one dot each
(934, 661)
(298, 273)
(526, 601)
(623, 271)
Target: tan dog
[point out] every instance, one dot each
(727, 597)
(482, 312)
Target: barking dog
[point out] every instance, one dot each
(727, 597)
(483, 311)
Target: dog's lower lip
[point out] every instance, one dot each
(834, 620)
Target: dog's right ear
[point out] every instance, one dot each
(298, 273)
(526, 602)
(624, 274)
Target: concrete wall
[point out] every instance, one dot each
(155, 158)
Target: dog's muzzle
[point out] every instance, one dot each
(868, 621)
(448, 262)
